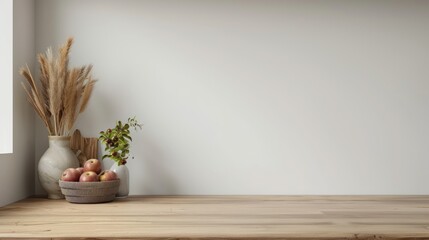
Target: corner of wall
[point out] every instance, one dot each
(18, 168)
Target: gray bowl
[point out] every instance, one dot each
(89, 192)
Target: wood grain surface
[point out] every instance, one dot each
(221, 217)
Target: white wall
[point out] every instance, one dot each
(257, 97)
(17, 169)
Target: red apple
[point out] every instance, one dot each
(107, 175)
(80, 169)
(88, 176)
(70, 175)
(93, 165)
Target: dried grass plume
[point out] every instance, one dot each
(62, 93)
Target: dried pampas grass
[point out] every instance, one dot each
(62, 94)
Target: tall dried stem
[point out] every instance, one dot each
(62, 94)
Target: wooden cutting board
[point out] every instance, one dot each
(85, 148)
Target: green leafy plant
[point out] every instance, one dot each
(117, 140)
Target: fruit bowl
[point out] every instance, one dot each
(89, 192)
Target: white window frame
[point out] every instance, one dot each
(6, 76)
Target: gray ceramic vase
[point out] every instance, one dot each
(124, 177)
(57, 158)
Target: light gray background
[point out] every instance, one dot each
(256, 97)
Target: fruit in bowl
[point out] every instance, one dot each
(91, 172)
(88, 176)
(81, 186)
(80, 169)
(71, 175)
(108, 175)
(92, 165)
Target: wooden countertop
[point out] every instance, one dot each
(221, 217)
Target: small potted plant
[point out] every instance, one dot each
(117, 147)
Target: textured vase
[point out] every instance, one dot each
(123, 175)
(57, 158)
